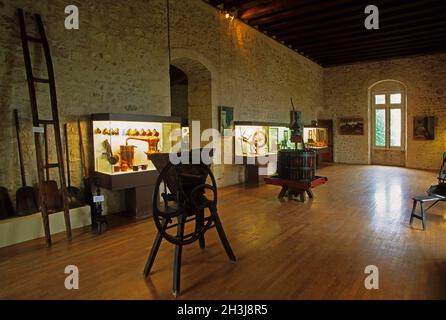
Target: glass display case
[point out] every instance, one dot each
(316, 137)
(260, 138)
(120, 150)
(122, 143)
(254, 140)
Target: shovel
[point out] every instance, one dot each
(25, 196)
(74, 194)
(6, 209)
(88, 195)
(50, 188)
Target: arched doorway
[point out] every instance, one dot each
(387, 105)
(191, 92)
(179, 100)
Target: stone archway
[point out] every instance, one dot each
(197, 90)
(202, 101)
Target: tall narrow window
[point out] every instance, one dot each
(380, 127)
(388, 120)
(395, 127)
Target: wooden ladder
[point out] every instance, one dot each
(37, 122)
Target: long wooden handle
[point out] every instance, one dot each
(17, 129)
(67, 153)
(81, 141)
(292, 104)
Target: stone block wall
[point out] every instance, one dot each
(118, 62)
(345, 95)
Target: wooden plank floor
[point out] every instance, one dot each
(289, 250)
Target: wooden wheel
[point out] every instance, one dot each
(180, 193)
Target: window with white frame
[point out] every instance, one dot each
(388, 120)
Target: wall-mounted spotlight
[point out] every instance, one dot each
(228, 15)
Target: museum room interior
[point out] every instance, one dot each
(311, 134)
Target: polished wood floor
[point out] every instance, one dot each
(288, 250)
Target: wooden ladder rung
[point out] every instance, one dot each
(34, 39)
(31, 80)
(52, 165)
(46, 122)
(41, 80)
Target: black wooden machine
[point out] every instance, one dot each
(182, 195)
(435, 194)
(296, 169)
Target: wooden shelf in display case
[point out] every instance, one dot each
(121, 144)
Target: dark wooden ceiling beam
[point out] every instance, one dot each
(411, 24)
(383, 56)
(328, 19)
(312, 8)
(270, 8)
(434, 28)
(386, 23)
(401, 47)
(365, 39)
(242, 4)
(393, 47)
(331, 32)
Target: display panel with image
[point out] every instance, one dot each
(424, 128)
(226, 118)
(351, 126)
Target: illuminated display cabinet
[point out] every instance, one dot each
(319, 137)
(253, 140)
(121, 144)
(316, 137)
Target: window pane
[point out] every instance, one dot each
(395, 127)
(380, 127)
(395, 98)
(380, 99)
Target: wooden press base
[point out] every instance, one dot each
(296, 188)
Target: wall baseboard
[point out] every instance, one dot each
(21, 229)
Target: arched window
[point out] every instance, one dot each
(388, 123)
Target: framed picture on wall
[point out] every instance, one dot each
(225, 120)
(424, 128)
(351, 126)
